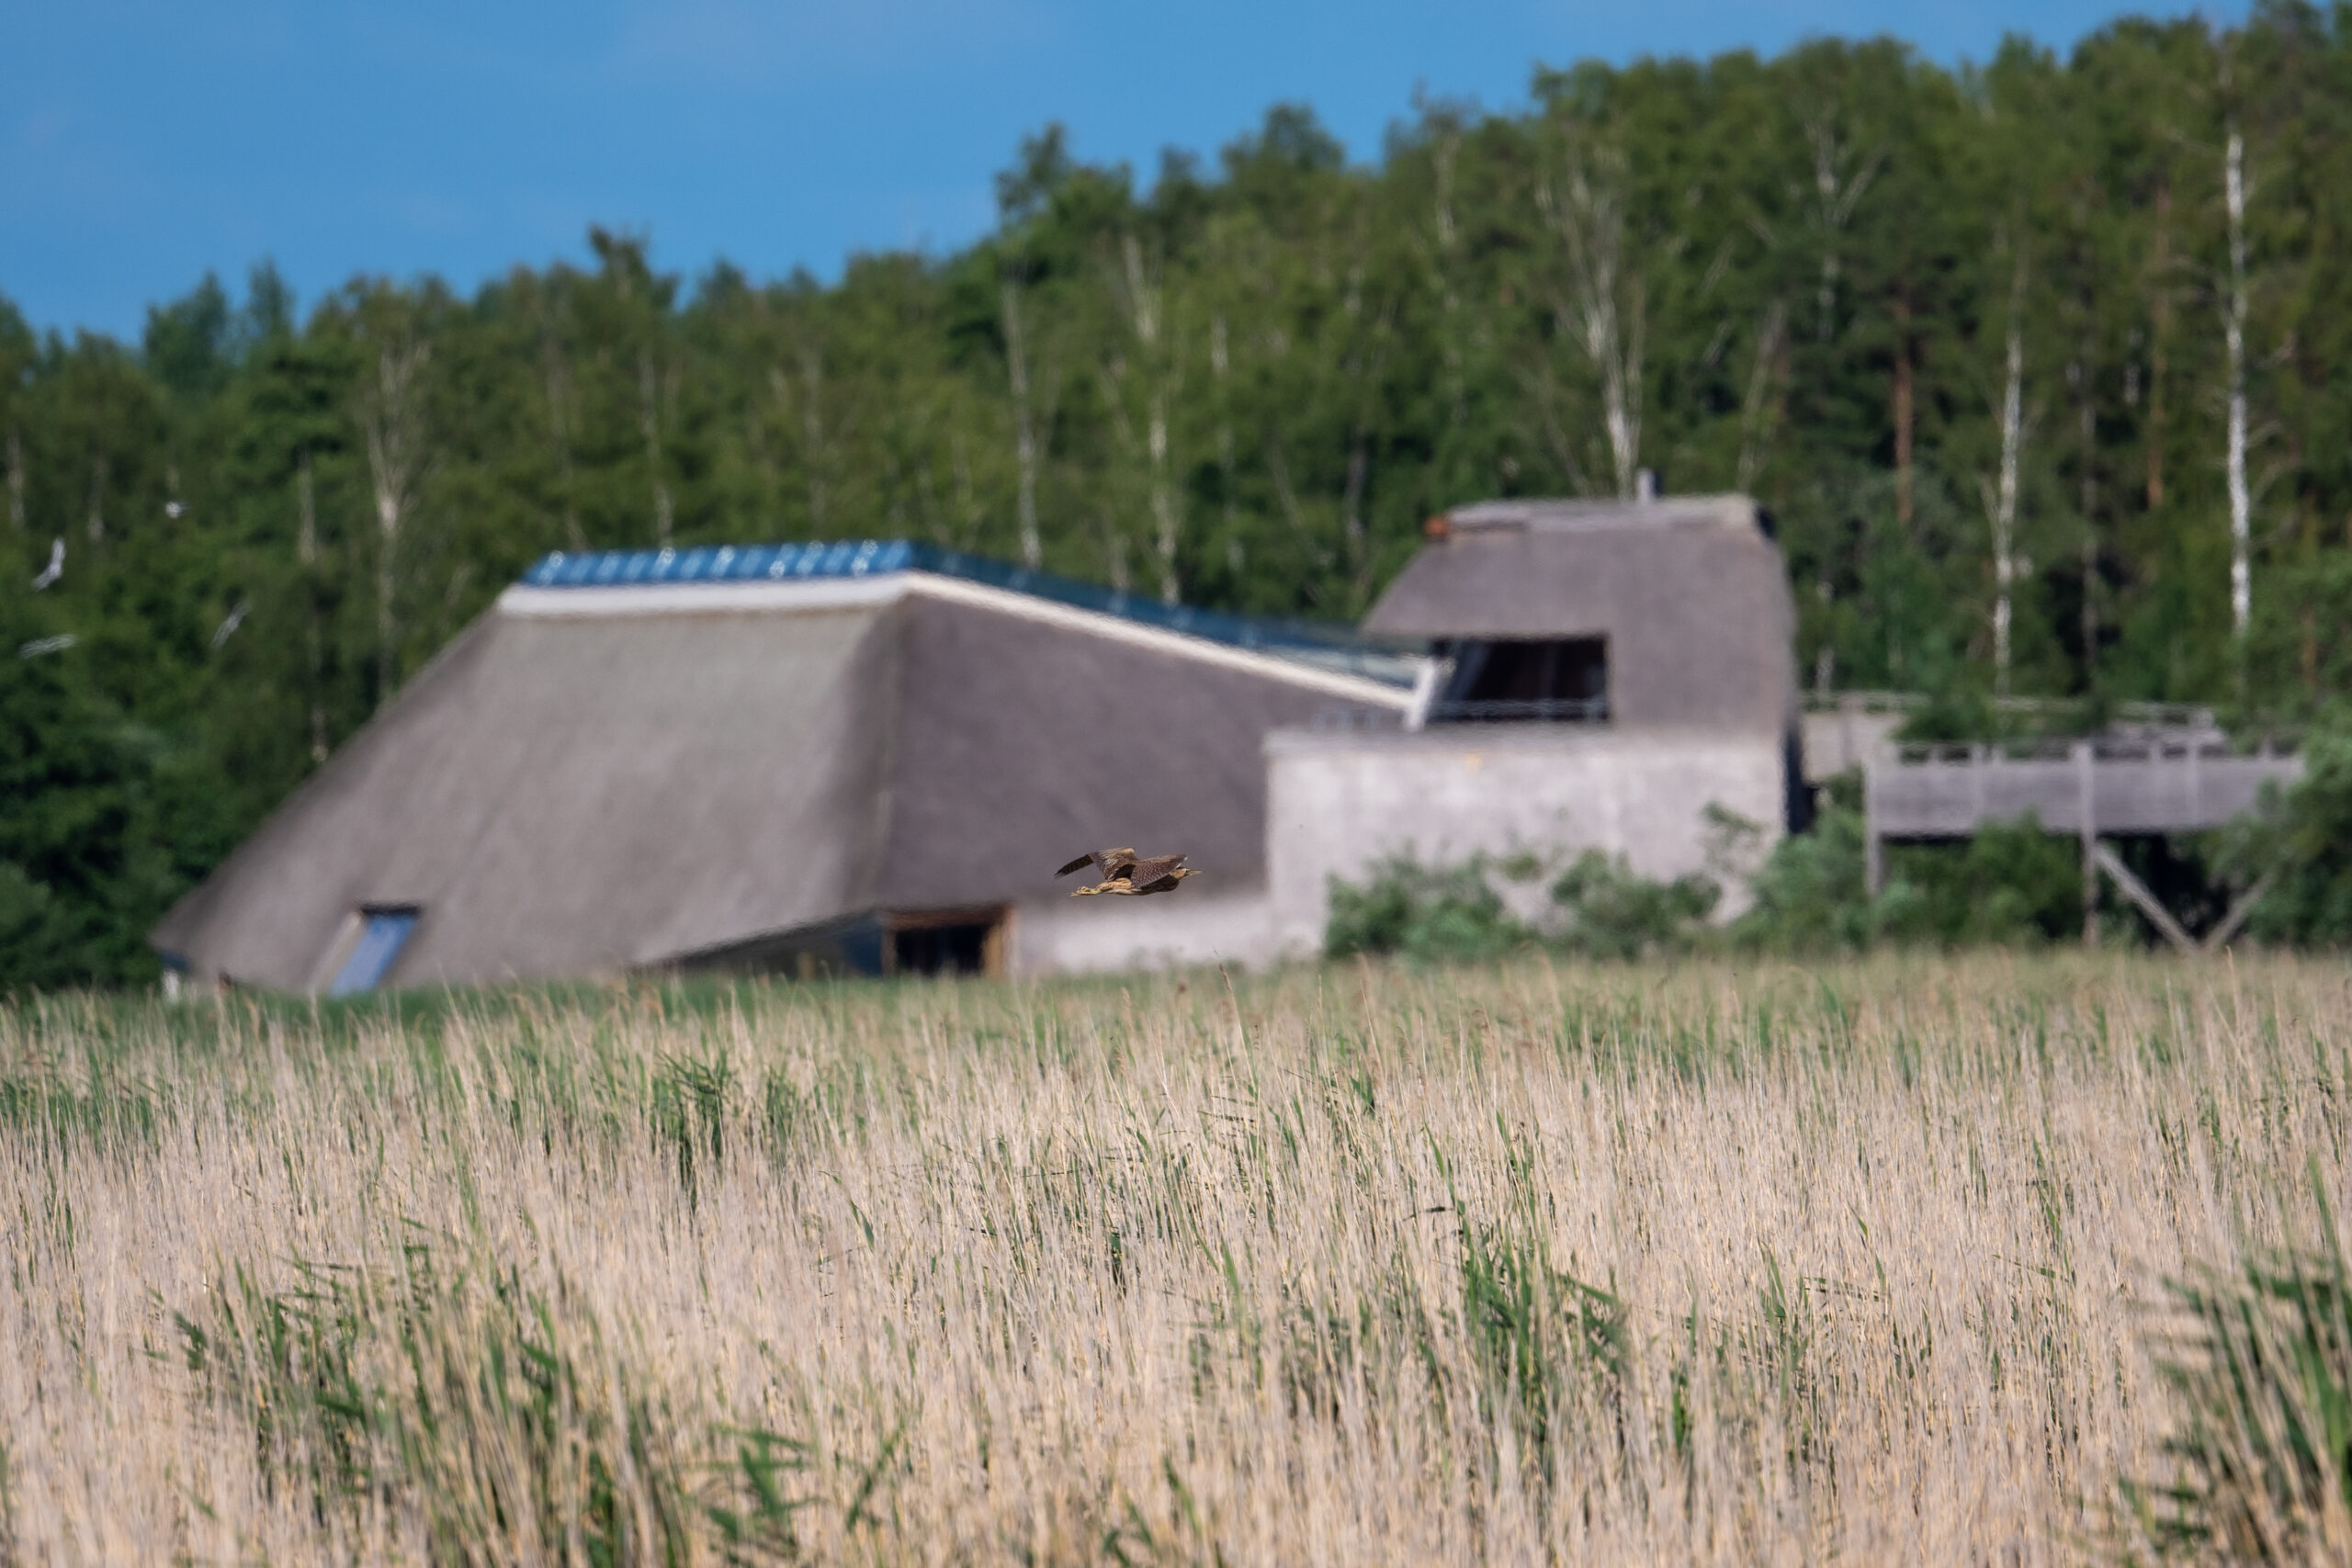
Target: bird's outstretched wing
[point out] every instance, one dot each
(1113, 863)
(1144, 872)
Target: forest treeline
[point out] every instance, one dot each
(2036, 364)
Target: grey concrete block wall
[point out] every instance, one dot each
(1339, 803)
(1201, 923)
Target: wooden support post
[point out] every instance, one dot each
(2133, 888)
(2087, 827)
(1874, 848)
(2219, 937)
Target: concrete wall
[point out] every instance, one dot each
(1201, 923)
(1337, 803)
(1847, 736)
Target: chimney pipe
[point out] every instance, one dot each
(1645, 484)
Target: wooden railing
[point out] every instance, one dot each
(2175, 783)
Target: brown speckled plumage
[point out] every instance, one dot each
(1127, 874)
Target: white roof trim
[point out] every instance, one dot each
(706, 598)
(844, 594)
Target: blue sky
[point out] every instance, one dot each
(144, 142)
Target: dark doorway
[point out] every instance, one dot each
(963, 942)
(1553, 680)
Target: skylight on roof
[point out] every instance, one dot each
(382, 934)
(1337, 648)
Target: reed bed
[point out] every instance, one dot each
(1979, 1260)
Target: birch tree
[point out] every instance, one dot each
(2233, 192)
(1025, 430)
(391, 422)
(2001, 495)
(1838, 181)
(650, 423)
(1600, 305)
(1144, 299)
(306, 557)
(813, 432)
(556, 375)
(1756, 423)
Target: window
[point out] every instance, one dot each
(374, 943)
(1562, 680)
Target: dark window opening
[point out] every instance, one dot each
(963, 943)
(1555, 681)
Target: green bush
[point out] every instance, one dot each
(1608, 912)
(2261, 1453)
(2304, 835)
(2012, 884)
(1811, 894)
(1443, 912)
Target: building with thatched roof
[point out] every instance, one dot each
(1602, 673)
(859, 757)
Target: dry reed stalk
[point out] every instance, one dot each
(1712, 1265)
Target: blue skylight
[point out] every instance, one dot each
(381, 940)
(1331, 647)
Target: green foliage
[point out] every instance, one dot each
(2262, 1370)
(463, 1398)
(1608, 912)
(493, 1412)
(2011, 883)
(2304, 839)
(1441, 913)
(1245, 382)
(1811, 894)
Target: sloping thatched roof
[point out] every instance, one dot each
(1691, 593)
(594, 780)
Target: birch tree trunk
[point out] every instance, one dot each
(2241, 502)
(392, 424)
(98, 518)
(1903, 411)
(2078, 377)
(812, 431)
(1755, 424)
(306, 554)
(1590, 216)
(1221, 368)
(2001, 500)
(1835, 195)
(2159, 337)
(649, 421)
(1025, 430)
(1448, 149)
(1145, 300)
(558, 384)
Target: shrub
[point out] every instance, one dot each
(1608, 912)
(2262, 1453)
(1443, 912)
(2010, 884)
(2305, 836)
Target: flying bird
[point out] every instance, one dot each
(1110, 863)
(1125, 875)
(56, 567)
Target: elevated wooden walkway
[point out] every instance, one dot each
(2089, 789)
